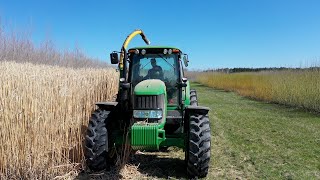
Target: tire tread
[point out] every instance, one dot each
(199, 146)
(96, 141)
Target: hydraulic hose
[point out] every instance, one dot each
(127, 41)
(123, 66)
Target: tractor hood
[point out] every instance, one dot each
(150, 87)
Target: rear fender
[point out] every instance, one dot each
(109, 106)
(196, 109)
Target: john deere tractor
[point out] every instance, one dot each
(154, 106)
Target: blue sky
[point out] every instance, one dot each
(215, 34)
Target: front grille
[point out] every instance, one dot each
(149, 102)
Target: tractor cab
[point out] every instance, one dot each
(161, 63)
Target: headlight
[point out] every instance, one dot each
(143, 52)
(147, 114)
(165, 51)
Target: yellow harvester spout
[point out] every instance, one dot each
(127, 41)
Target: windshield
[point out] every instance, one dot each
(157, 66)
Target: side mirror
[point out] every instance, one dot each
(185, 60)
(114, 58)
(184, 82)
(184, 79)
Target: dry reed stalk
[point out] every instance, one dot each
(44, 111)
(125, 150)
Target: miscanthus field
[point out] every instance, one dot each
(46, 98)
(298, 88)
(43, 114)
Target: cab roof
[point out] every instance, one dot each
(155, 47)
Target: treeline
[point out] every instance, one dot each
(237, 70)
(19, 47)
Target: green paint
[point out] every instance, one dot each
(147, 136)
(172, 107)
(177, 140)
(150, 87)
(186, 94)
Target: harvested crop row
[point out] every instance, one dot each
(43, 114)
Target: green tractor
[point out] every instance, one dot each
(154, 106)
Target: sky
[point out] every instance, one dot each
(214, 33)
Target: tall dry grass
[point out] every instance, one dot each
(44, 111)
(299, 88)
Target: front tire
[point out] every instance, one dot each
(198, 146)
(97, 141)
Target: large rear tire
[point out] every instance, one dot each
(98, 142)
(193, 98)
(198, 146)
